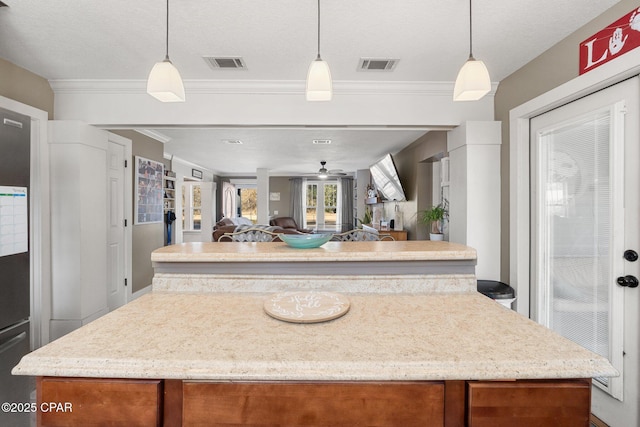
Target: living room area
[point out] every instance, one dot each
(341, 201)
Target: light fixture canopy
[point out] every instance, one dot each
(473, 81)
(319, 84)
(164, 82)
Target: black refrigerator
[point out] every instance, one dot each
(15, 141)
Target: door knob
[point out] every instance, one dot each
(630, 281)
(631, 255)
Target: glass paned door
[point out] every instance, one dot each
(585, 201)
(311, 206)
(249, 203)
(331, 205)
(574, 229)
(322, 205)
(577, 219)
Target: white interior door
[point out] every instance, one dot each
(585, 190)
(116, 240)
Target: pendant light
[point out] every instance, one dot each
(164, 82)
(319, 86)
(473, 80)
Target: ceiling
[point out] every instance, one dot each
(122, 39)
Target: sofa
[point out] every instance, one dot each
(287, 223)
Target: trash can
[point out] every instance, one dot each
(498, 291)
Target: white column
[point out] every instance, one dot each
(78, 184)
(207, 191)
(262, 176)
(474, 205)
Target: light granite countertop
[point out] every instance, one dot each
(397, 336)
(413, 250)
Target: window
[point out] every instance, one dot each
(311, 205)
(248, 203)
(191, 206)
(322, 205)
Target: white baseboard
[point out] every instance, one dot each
(141, 292)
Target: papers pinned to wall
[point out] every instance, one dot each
(14, 220)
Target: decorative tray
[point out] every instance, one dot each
(306, 307)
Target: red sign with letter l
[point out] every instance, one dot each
(615, 40)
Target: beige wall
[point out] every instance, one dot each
(414, 170)
(146, 237)
(280, 184)
(554, 67)
(23, 86)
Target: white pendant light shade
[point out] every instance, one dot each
(319, 86)
(164, 82)
(473, 81)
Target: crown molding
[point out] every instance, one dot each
(282, 87)
(154, 135)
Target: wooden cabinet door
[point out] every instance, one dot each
(313, 404)
(398, 235)
(563, 403)
(99, 402)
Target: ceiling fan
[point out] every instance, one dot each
(324, 173)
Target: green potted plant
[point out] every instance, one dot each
(366, 218)
(434, 218)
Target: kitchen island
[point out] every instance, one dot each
(200, 350)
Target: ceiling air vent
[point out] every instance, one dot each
(322, 141)
(377, 64)
(225, 63)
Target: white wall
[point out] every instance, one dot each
(208, 192)
(474, 209)
(266, 103)
(262, 178)
(185, 169)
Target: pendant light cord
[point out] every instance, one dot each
(167, 51)
(470, 32)
(318, 29)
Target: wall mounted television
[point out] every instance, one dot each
(385, 178)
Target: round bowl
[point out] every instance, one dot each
(305, 241)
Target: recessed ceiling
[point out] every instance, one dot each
(285, 152)
(277, 40)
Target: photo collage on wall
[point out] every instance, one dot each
(148, 207)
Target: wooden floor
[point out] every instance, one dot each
(597, 422)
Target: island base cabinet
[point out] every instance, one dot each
(565, 403)
(188, 403)
(67, 402)
(329, 404)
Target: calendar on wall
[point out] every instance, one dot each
(14, 220)
(149, 201)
